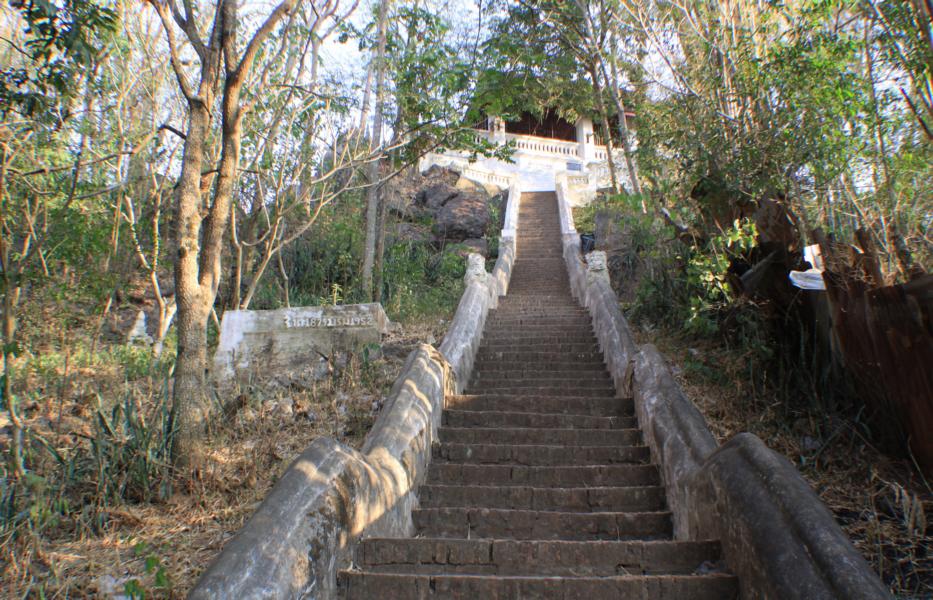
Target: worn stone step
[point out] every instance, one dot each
(569, 310)
(534, 557)
(587, 381)
(488, 418)
(562, 334)
(541, 336)
(497, 523)
(528, 352)
(586, 499)
(389, 586)
(553, 348)
(542, 455)
(518, 357)
(576, 405)
(556, 392)
(519, 368)
(523, 368)
(516, 322)
(554, 437)
(522, 323)
(579, 380)
(554, 476)
(513, 305)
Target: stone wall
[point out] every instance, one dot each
(777, 536)
(309, 526)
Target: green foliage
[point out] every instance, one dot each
(61, 39)
(422, 282)
(528, 66)
(707, 275)
(419, 280)
(123, 458)
(134, 588)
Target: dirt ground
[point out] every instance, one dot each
(157, 548)
(883, 504)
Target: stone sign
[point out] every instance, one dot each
(271, 341)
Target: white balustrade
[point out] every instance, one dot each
(583, 166)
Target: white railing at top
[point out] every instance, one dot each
(538, 145)
(487, 176)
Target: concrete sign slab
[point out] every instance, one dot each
(269, 341)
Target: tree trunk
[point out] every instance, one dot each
(373, 171)
(607, 130)
(624, 134)
(190, 405)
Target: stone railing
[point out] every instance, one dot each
(777, 536)
(308, 528)
(487, 176)
(547, 146)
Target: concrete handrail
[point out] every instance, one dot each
(463, 337)
(331, 496)
(510, 222)
(308, 527)
(777, 536)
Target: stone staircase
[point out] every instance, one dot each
(541, 486)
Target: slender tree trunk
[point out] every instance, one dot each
(11, 291)
(624, 134)
(367, 100)
(373, 171)
(607, 130)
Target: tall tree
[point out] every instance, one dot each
(203, 193)
(374, 212)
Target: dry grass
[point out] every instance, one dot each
(883, 504)
(93, 547)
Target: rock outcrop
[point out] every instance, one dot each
(454, 209)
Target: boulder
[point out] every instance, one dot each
(462, 217)
(435, 196)
(468, 185)
(438, 174)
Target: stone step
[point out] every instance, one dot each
(497, 523)
(584, 381)
(519, 357)
(523, 336)
(585, 500)
(533, 323)
(574, 405)
(487, 418)
(539, 436)
(534, 557)
(520, 318)
(588, 381)
(359, 585)
(539, 455)
(543, 328)
(539, 302)
(524, 368)
(553, 476)
(521, 390)
(553, 348)
(590, 371)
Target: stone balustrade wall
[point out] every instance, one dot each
(777, 536)
(309, 526)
